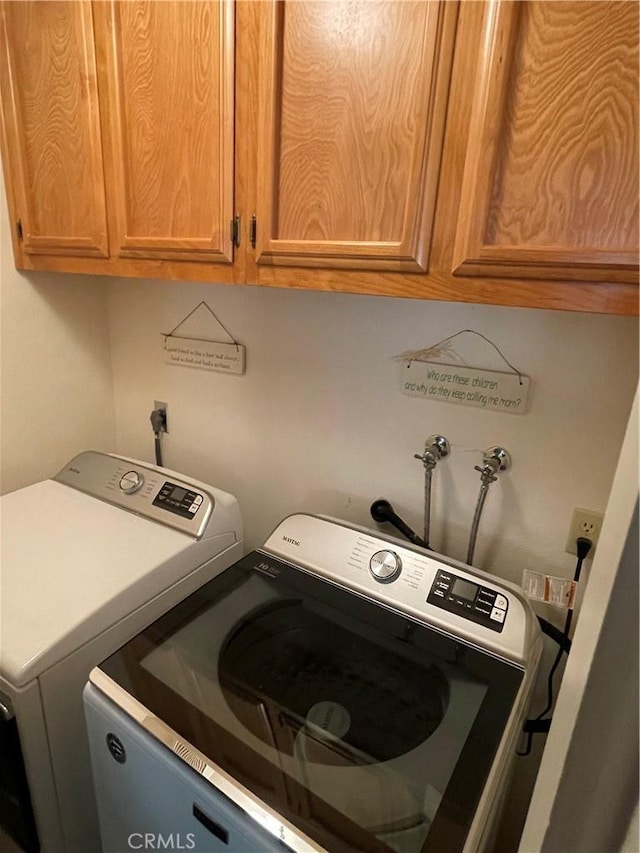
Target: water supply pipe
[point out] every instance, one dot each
(494, 460)
(436, 447)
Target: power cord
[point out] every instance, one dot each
(158, 424)
(538, 724)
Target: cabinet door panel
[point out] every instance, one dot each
(550, 186)
(351, 100)
(52, 122)
(171, 104)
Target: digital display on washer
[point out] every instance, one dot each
(465, 589)
(470, 600)
(178, 500)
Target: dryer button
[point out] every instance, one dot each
(500, 602)
(498, 615)
(131, 482)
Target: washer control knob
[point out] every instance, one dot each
(131, 482)
(385, 566)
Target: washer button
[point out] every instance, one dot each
(498, 615)
(501, 602)
(193, 508)
(385, 566)
(198, 500)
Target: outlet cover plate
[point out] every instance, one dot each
(587, 523)
(157, 404)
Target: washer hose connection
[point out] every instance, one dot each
(436, 447)
(494, 460)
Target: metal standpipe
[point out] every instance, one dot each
(494, 460)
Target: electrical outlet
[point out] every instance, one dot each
(164, 407)
(584, 523)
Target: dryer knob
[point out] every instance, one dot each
(131, 482)
(385, 566)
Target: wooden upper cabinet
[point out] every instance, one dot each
(51, 117)
(351, 105)
(170, 94)
(478, 152)
(550, 182)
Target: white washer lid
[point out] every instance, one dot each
(70, 567)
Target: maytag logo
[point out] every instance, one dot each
(291, 541)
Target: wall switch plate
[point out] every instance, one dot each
(584, 523)
(158, 405)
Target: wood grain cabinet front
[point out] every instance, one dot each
(119, 135)
(169, 88)
(478, 152)
(51, 125)
(550, 183)
(351, 106)
(529, 198)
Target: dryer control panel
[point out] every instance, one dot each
(181, 501)
(141, 489)
(478, 603)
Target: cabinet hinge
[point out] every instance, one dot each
(252, 231)
(234, 231)
(19, 229)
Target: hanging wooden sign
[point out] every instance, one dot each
(203, 353)
(467, 386)
(423, 375)
(207, 355)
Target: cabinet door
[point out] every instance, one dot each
(550, 185)
(53, 151)
(351, 100)
(169, 79)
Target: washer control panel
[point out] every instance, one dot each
(470, 600)
(453, 598)
(385, 566)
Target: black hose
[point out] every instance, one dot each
(382, 511)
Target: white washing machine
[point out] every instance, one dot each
(88, 559)
(334, 690)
